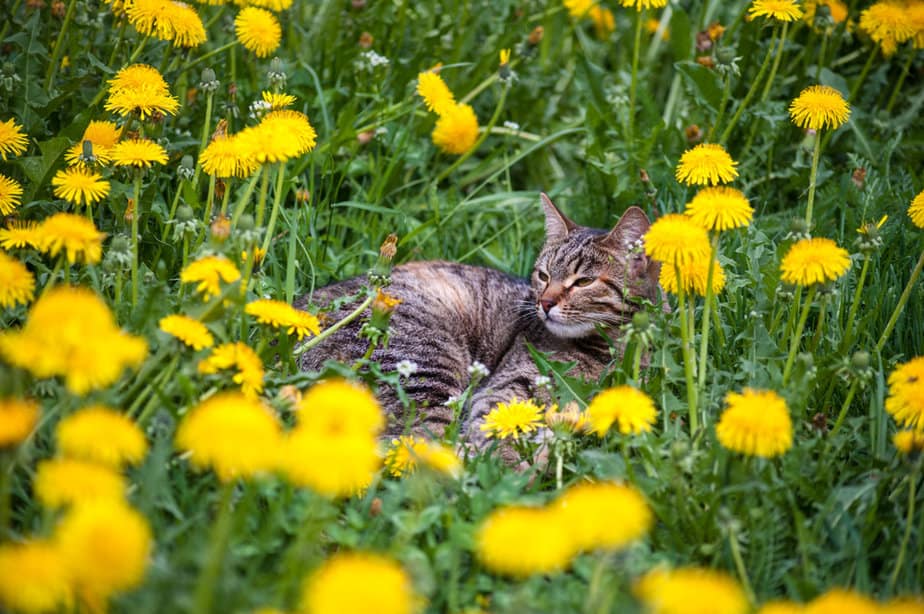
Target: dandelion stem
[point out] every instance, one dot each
(208, 202)
(245, 198)
(327, 332)
(797, 335)
(863, 73)
(909, 519)
(261, 204)
(136, 213)
(739, 566)
(822, 312)
(221, 532)
(854, 305)
(118, 44)
(901, 304)
(203, 139)
(633, 83)
(59, 46)
(901, 80)
(816, 154)
(751, 91)
(277, 201)
(688, 357)
(776, 63)
(726, 90)
(173, 206)
(138, 49)
(707, 321)
(844, 407)
(206, 56)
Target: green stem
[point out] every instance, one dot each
(208, 203)
(151, 405)
(244, 200)
(59, 45)
(797, 334)
(261, 204)
(751, 90)
(863, 74)
(726, 90)
(277, 201)
(854, 306)
(816, 155)
(822, 312)
(901, 80)
(204, 137)
(901, 304)
(776, 63)
(136, 213)
(327, 332)
(739, 566)
(206, 56)
(707, 321)
(138, 49)
(224, 197)
(221, 533)
(688, 357)
(173, 206)
(821, 56)
(844, 407)
(909, 519)
(118, 43)
(633, 83)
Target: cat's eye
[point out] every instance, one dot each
(583, 282)
(543, 277)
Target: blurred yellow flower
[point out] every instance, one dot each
(191, 332)
(814, 261)
(71, 332)
(836, 9)
(13, 140)
(706, 164)
(138, 153)
(10, 195)
(818, 107)
(512, 419)
(693, 276)
(720, 208)
(279, 314)
(569, 418)
(588, 511)
(65, 481)
(227, 156)
(916, 210)
(604, 21)
(239, 357)
(408, 452)
(209, 272)
(755, 423)
(520, 541)
(273, 5)
(906, 394)
(907, 442)
(280, 136)
(579, 8)
(19, 234)
(73, 234)
(167, 20)
(17, 419)
(435, 92)
(17, 284)
(332, 464)
(690, 590)
(34, 578)
(80, 186)
(641, 5)
(258, 31)
(780, 10)
(675, 238)
(338, 407)
(456, 129)
(888, 24)
(630, 409)
(359, 582)
(105, 545)
(842, 601)
(140, 90)
(101, 435)
(234, 435)
(902, 605)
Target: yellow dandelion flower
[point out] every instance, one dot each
(243, 360)
(101, 435)
(675, 238)
(17, 284)
(570, 417)
(273, 5)
(138, 76)
(209, 272)
(907, 441)
(842, 601)
(836, 9)
(359, 582)
(167, 20)
(73, 234)
(690, 590)
(140, 90)
(102, 136)
(138, 153)
(706, 164)
(693, 277)
(277, 100)
(916, 17)
(755, 423)
(720, 208)
(814, 261)
(780, 10)
(641, 5)
(106, 545)
(456, 129)
(65, 481)
(258, 31)
(579, 8)
(916, 210)
(280, 136)
(71, 332)
(504, 57)
(80, 186)
(407, 453)
(888, 24)
(435, 92)
(903, 605)
(279, 314)
(522, 541)
(18, 418)
(818, 107)
(13, 140)
(333, 464)
(604, 21)
(187, 26)
(906, 394)
(226, 156)
(630, 409)
(512, 419)
(191, 332)
(10, 195)
(19, 234)
(34, 578)
(235, 436)
(589, 509)
(338, 407)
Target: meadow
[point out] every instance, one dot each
(174, 177)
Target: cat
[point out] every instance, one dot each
(584, 282)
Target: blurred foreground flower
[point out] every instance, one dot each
(690, 590)
(587, 511)
(13, 140)
(359, 582)
(17, 419)
(242, 360)
(456, 129)
(435, 92)
(101, 435)
(73, 234)
(65, 481)
(209, 272)
(905, 402)
(888, 24)
(189, 331)
(521, 541)
(407, 453)
(34, 578)
(167, 20)
(17, 284)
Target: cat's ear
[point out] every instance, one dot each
(630, 228)
(557, 226)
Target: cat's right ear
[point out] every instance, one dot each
(557, 226)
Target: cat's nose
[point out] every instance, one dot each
(547, 304)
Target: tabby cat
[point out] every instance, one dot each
(451, 315)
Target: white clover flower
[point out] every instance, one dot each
(477, 369)
(406, 368)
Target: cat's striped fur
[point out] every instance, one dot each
(452, 315)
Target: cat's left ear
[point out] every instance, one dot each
(630, 228)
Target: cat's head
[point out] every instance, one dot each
(585, 277)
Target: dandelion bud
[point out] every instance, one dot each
(375, 508)
(641, 319)
(184, 213)
(643, 176)
(366, 137)
(860, 360)
(302, 196)
(245, 223)
(290, 395)
(858, 177)
(187, 168)
(715, 30)
(725, 55)
(705, 60)
(389, 247)
(58, 9)
(277, 74)
(221, 228)
(535, 37)
(129, 214)
(209, 83)
(679, 449)
(693, 133)
(798, 227)
(86, 155)
(366, 40)
(121, 244)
